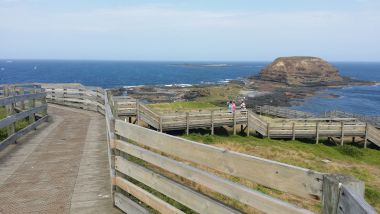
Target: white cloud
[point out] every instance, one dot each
(161, 27)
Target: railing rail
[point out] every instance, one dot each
(13, 99)
(282, 112)
(76, 95)
(373, 120)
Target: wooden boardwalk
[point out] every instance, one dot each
(60, 168)
(67, 164)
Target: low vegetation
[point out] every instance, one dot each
(364, 164)
(19, 124)
(219, 95)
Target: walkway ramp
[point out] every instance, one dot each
(60, 168)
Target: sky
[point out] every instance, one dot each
(193, 30)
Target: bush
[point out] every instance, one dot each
(350, 151)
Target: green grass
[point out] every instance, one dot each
(363, 164)
(19, 124)
(220, 95)
(182, 105)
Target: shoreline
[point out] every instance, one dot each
(262, 93)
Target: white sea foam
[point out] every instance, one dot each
(132, 86)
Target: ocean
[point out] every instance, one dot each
(108, 74)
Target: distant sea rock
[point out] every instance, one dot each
(301, 71)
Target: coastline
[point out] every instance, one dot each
(263, 93)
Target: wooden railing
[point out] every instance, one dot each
(76, 95)
(125, 106)
(14, 100)
(372, 134)
(282, 112)
(373, 120)
(145, 162)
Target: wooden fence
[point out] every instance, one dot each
(314, 128)
(282, 112)
(145, 162)
(177, 120)
(22, 101)
(373, 120)
(76, 95)
(300, 124)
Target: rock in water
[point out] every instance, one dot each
(301, 71)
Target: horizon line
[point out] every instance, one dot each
(166, 60)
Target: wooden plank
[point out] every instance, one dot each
(187, 123)
(317, 133)
(174, 190)
(10, 108)
(352, 203)
(22, 132)
(342, 134)
(332, 184)
(236, 191)
(234, 122)
(146, 197)
(110, 125)
(284, 177)
(21, 115)
(293, 131)
(32, 104)
(128, 206)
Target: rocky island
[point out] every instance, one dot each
(301, 71)
(285, 80)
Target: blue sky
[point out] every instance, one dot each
(238, 30)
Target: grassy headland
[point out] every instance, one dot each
(363, 164)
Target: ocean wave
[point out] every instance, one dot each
(179, 85)
(132, 86)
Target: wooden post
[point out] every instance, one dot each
(44, 102)
(22, 92)
(64, 94)
(212, 122)
(138, 112)
(331, 190)
(366, 136)
(342, 134)
(10, 109)
(293, 131)
(234, 114)
(160, 124)
(268, 127)
(32, 104)
(116, 106)
(187, 123)
(317, 133)
(248, 127)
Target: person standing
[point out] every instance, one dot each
(233, 106)
(229, 106)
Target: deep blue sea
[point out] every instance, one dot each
(107, 74)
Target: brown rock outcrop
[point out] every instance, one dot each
(301, 71)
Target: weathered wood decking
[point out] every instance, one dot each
(60, 168)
